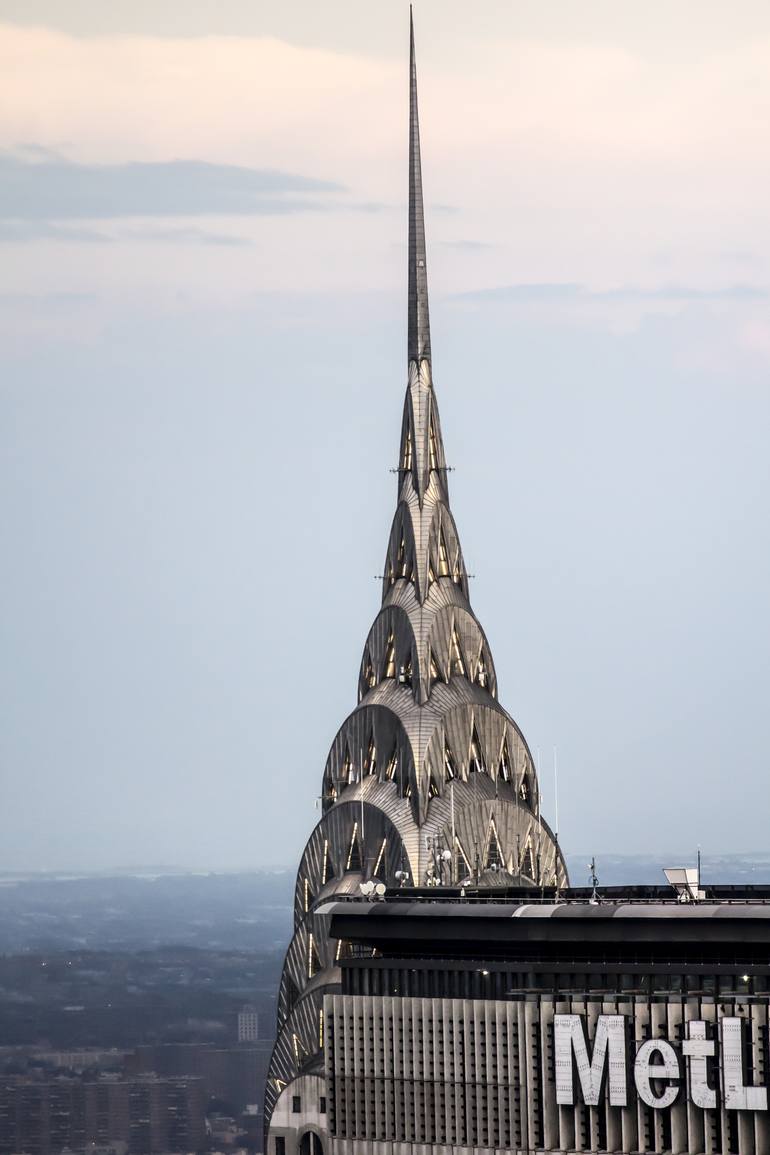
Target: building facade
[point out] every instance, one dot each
(429, 781)
(248, 1024)
(145, 1115)
(635, 1024)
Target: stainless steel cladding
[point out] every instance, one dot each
(429, 781)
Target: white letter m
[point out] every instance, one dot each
(610, 1037)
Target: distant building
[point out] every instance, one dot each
(248, 1024)
(234, 1074)
(146, 1115)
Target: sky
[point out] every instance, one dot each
(202, 365)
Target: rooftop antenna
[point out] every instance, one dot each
(556, 831)
(594, 881)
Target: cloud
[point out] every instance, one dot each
(184, 236)
(468, 245)
(569, 292)
(19, 231)
(23, 231)
(57, 189)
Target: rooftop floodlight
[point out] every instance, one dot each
(685, 880)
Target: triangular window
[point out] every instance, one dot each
(307, 895)
(300, 1052)
(401, 561)
(525, 792)
(505, 763)
(354, 852)
(494, 858)
(348, 770)
(476, 759)
(406, 457)
(462, 865)
(481, 670)
(432, 790)
(435, 673)
(457, 665)
(390, 658)
(457, 573)
(450, 770)
(380, 856)
(369, 675)
(443, 558)
(431, 574)
(313, 961)
(328, 868)
(528, 863)
(371, 758)
(390, 772)
(433, 440)
(405, 672)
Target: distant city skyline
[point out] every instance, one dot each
(202, 317)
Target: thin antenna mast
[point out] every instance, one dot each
(556, 831)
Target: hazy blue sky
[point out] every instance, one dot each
(202, 364)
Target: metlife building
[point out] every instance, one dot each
(629, 1021)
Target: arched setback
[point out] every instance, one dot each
(298, 1125)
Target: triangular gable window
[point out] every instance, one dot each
(462, 865)
(328, 868)
(406, 457)
(371, 758)
(505, 763)
(432, 789)
(443, 557)
(435, 673)
(300, 1051)
(494, 857)
(450, 770)
(476, 759)
(369, 675)
(431, 574)
(525, 791)
(457, 665)
(313, 961)
(380, 856)
(348, 770)
(481, 671)
(433, 441)
(402, 568)
(307, 895)
(528, 863)
(390, 658)
(354, 853)
(390, 772)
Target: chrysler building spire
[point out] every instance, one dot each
(419, 321)
(429, 781)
